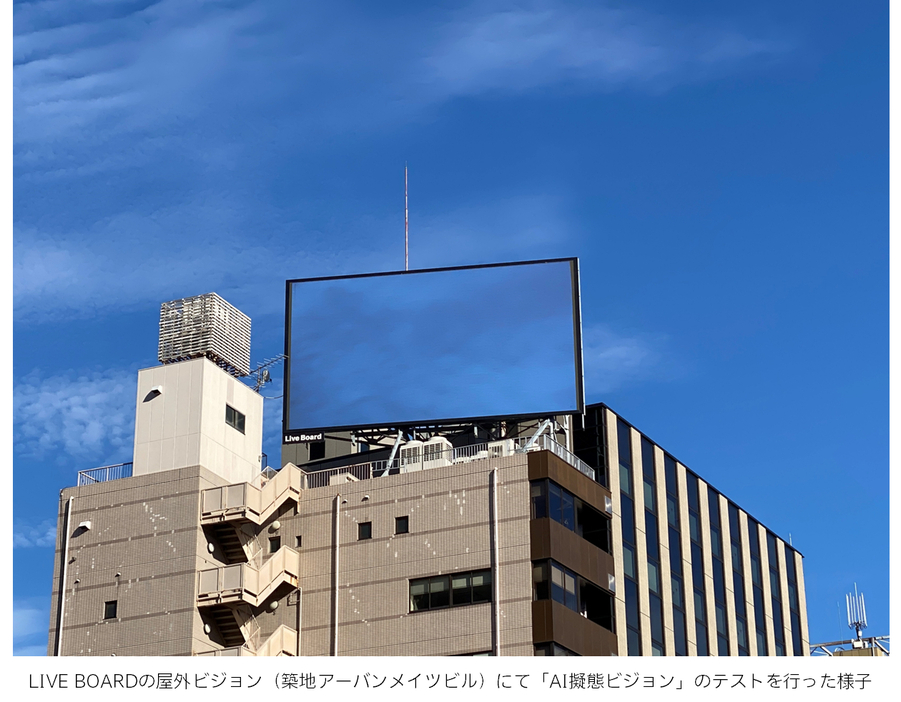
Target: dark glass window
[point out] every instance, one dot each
(275, 543)
(569, 511)
(317, 450)
(625, 456)
(757, 587)
(776, 594)
(234, 418)
(556, 502)
(590, 442)
(550, 500)
(110, 609)
(364, 531)
(540, 581)
(401, 525)
(538, 491)
(454, 590)
(298, 541)
(552, 581)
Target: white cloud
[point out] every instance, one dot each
(516, 47)
(75, 416)
(27, 621)
(613, 360)
(40, 536)
(174, 61)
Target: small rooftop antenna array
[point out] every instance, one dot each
(261, 374)
(205, 326)
(857, 612)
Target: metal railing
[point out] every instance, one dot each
(104, 473)
(243, 581)
(439, 459)
(548, 444)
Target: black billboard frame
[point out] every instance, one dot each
(456, 421)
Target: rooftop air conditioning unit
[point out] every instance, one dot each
(411, 456)
(437, 453)
(342, 478)
(499, 449)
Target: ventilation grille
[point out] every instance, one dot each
(205, 326)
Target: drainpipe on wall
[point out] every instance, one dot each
(495, 567)
(299, 605)
(335, 535)
(63, 569)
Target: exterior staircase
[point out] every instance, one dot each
(244, 583)
(283, 642)
(245, 502)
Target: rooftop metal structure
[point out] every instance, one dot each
(205, 326)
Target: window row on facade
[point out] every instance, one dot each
(682, 543)
(455, 590)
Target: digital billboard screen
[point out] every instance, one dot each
(433, 346)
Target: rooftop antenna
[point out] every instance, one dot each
(261, 373)
(406, 223)
(857, 612)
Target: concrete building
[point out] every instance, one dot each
(597, 543)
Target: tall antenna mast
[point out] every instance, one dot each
(406, 223)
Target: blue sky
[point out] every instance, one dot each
(422, 347)
(721, 172)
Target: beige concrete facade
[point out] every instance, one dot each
(180, 421)
(142, 549)
(450, 531)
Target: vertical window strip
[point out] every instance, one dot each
(680, 633)
(652, 540)
(633, 629)
(776, 594)
(738, 581)
(757, 586)
(791, 575)
(697, 563)
(719, 573)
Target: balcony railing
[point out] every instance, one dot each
(423, 460)
(243, 582)
(104, 473)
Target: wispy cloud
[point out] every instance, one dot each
(28, 620)
(517, 47)
(613, 359)
(140, 178)
(76, 416)
(40, 536)
(209, 246)
(30, 626)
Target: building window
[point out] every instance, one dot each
(275, 543)
(234, 418)
(317, 450)
(364, 531)
(110, 609)
(454, 590)
(401, 525)
(550, 500)
(551, 581)
(298, 541)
